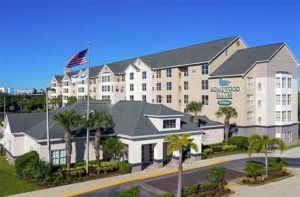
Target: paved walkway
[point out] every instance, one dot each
(88, 186)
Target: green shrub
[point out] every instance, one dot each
(207, 186)
(208, 151)
(229, 148)
(124, 168)
(216, 174)
(23, 160)
(276, 164)
(189, 190)
(204, 155)
(240, 141)
(169, 194)
(254, 170)
(132, 192)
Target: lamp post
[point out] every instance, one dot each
(47, 126)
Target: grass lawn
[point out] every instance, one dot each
(9, 183)
(220, 154)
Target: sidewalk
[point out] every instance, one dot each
(83, 187)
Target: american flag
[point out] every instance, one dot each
(78, 59)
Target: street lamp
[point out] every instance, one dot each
(47, 125)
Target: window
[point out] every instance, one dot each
(277, 82)
(131, 97)
(158, 98)
(58, 157)
(205, 69)
(283, 116)
(158, 86)
(284, 99)
(105, 78)
(65, 90)
(250, 99)
(259, 120)
(169, 72)
(144, 97)
(94, 89)
(158, 74)
(250, 116)
(105, 88)
(131, 76)
(131, 87)
(283, 82)
(287, 136)
(204, 84)
(185, 71)
(65, 83)
(105, 97)
(250, 81)
(259, 86)
(186, 85)
(278, 99)
(278, 116)
(289, 84)
(169, 85)
(289, 118)
(144, 75)
(259, 103)
(81, 90)
(167, 124)
(144, 87)
(186, 98)
(289, 99)
(205, 99)
(169, 98)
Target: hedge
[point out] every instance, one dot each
(240, 141)
(23, 160)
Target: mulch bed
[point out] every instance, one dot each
(271, 178)
(213, 193)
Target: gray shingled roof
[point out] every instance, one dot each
(205, 122)
(203, 52)
(128, 117)
(242, 60)
(58, 77)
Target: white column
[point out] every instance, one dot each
(159, 154)
(135, 156)
(197, 139)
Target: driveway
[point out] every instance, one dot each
(156, 186)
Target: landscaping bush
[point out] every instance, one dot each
(132, 192)
(217, 175)
(240, 141)
(23, 160)
(254, 170)
(207, 186)
(167, 195)
(124, 168)
(208, 151)
(204, 155)
(229, 148)
(276, 165)
(189, 190)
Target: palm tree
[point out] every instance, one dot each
(195, 107)
(67, 120)
(177, 143)
(258, 143)
(99, 120)
(228, 112)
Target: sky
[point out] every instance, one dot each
(37, 38)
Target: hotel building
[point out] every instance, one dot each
(260, 82)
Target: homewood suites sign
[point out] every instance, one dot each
(224, 91)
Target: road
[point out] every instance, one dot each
(156, 186)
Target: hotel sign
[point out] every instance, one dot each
(224, 91)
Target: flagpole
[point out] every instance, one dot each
(47, 125)
(88, 111)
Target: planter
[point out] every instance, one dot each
(271, 178)
(213, 193)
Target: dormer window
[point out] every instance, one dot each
(169, 123)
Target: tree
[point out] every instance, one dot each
(195, 107)
(228, 112)
(56, 102)
(67, 120)
(177, 143)
(71, 100)
(99, 120)
(217, 175)
(113, 147)
(258, 143)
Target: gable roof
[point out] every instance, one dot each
(58, 77)
(129, 118)
(203, 52)
(242, 60)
